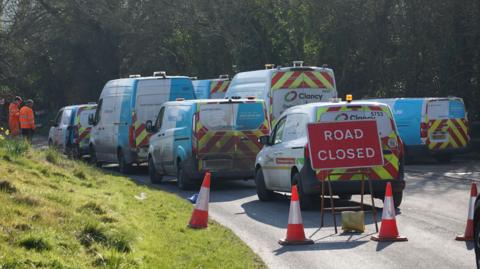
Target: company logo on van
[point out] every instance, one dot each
(293, 95)
(342, 116)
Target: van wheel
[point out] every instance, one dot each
(446, 158)
(306, 200)
(346, 197)
(75, 151)
(155, 177)
(50, 143)
(183, 181)
(93, 157)
(262, 192)
(123, 166)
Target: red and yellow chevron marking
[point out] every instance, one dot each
(302, 79)
(457, 130)
(141, 134)
(208, 141)
(83, 132)
(220, 86)
(390, 169)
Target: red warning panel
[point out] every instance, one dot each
(346, 144)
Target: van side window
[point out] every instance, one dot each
(98, 111)
(295, 127)
(58, 118)
(279, 128)
(158, 123)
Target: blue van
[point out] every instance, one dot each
(70, 131)
(211, 88)
(433, 126)
(119, 134)
(217, 135)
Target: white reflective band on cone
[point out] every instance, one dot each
(388, 209)
(471, 209)
(203, 198)
(294, 216)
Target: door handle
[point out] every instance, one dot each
(277, 153)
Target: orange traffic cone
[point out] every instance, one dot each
(468, 236)
(199, 218)
(295, 232)
(388, 227)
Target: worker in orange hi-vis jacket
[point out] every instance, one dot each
(27, 120)
(14, 117)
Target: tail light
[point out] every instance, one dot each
(131, 136)
(423, 130)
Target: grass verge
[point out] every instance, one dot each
(58, 213)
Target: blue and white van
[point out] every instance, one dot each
(70, 131)
(217, 135)
(434, 126)
(211, 88)
(119, 134)
(285, 87)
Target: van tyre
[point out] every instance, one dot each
(446, 158)
(93, 157)
(306, 200)
(262, 192)
(155, 177)
(123, 166)
(183, 180)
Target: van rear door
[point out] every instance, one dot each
(82, 127)
(227, 134)
(447, 124)
(387, 132)
(298, 87)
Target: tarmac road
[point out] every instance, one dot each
(433, 212)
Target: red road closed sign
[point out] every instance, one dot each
(346, 144)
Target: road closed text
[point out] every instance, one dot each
(344, 144)
(349, 153)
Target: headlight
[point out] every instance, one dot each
(392, 143)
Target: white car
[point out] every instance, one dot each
(285, 160)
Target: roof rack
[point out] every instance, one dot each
(224, 76)
(269, 66)
(297, 63)
(135, 76)
(160, 74)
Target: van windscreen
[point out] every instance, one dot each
(84, 114)
(383, 119)
(236, 116)
(294, 88)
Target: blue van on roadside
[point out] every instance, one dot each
(119, 134)
(216, 135)
(433, 126)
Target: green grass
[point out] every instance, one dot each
(57, 213)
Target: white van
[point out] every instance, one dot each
(119, 134)
(285, 159)
(285, 87)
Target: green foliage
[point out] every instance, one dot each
(61, 52)
(33, 242)
(13, 147)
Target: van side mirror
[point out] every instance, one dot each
(53, 123)
(149, 126)
(265, 140)
(91, 119)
